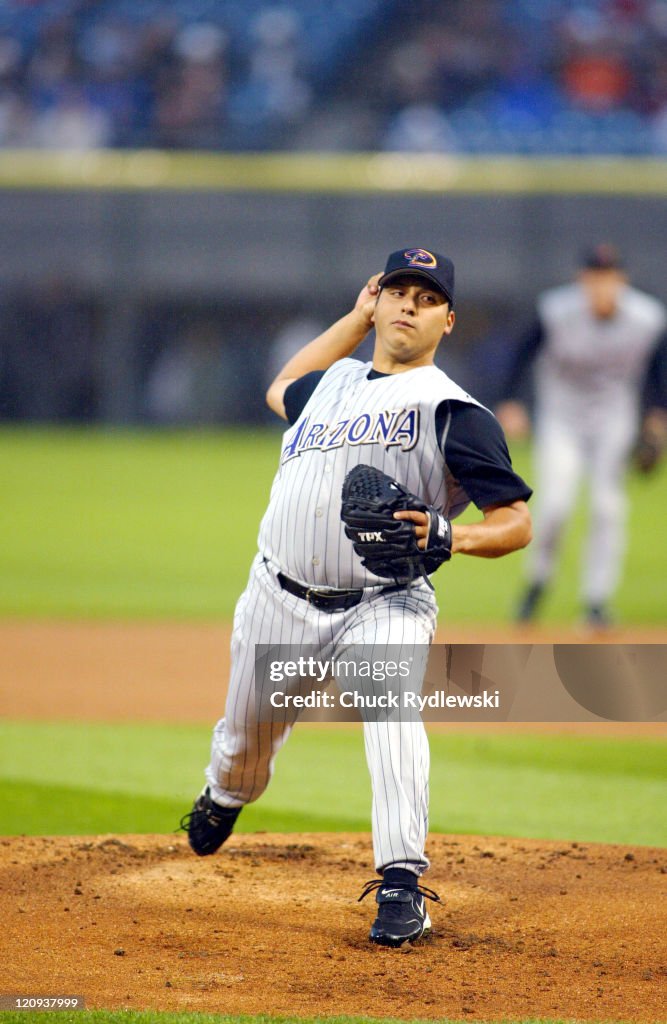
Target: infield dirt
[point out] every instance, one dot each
(271, 925)
(177, 672)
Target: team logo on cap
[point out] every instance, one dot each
(420, 258)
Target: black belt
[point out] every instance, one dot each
(324, 600)
(329, 600)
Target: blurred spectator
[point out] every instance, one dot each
(420, 128)
(597, 79)
(190, 109)
(72, 122)
(16, 121)
(275, 63)
(274, 94)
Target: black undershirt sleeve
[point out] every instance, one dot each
(517, 383)
(475, 451)
(298, 393)
(655, 386)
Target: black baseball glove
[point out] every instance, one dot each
(388, 546)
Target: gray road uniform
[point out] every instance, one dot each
(308, 587)
(589, 375)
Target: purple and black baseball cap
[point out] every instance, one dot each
(602, 257)
(439, 270)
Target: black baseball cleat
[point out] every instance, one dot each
(530, 603)
(208, 824)
(402, 915)
(598, 617)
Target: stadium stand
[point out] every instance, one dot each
(517, 76)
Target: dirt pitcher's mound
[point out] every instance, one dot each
(270, 924)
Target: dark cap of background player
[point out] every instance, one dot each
(437, 269)
(602, 257)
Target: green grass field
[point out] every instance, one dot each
(98, 778)
(164, 524)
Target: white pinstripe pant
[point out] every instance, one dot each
(243, 750)
(566, 450)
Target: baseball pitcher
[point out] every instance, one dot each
(377, 460)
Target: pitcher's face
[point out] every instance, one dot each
(410, 320)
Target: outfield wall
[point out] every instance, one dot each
(269, 235)
(203, 224)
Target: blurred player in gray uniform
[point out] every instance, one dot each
(307, 586)
(597, 344)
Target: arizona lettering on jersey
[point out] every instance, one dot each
(386, 422)
(389, 427)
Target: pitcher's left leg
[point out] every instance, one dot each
(396, 628)
(607, 534)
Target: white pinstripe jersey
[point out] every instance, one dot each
(387, 422)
